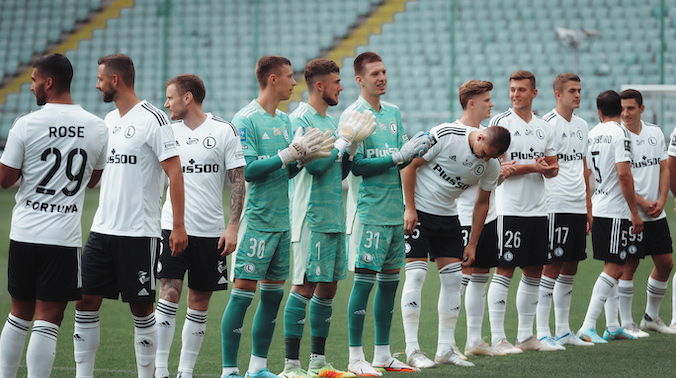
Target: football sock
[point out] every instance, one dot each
(602, 288)
(656, 291)
(625, 289)
(411, 295)
(475, 303)
(383, 305)
(264, 320)
(294, 320)
(563, 291)
(544, 308)
(612, 308)
(526, 305)
(145, 344)
(12, 341)
(320, 311)
(356, 307)
(165, 315)
(86, 337)
(448, 306)
(194, 327)
(231, 325)
(464, 282)
(41, 349)
(497, 304)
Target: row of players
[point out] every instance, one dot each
(456, 157)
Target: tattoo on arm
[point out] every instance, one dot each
(236, 177)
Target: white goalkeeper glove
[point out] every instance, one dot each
(301, 144)
(354, 128)
(415, 147)
(324, 150)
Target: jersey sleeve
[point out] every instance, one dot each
(297, 122)
(247, 135)
(13, 154)
(551, 148)
(234, 158)
(585, 138)
(663, 146)
(101, 161)
(672, 144)
(622, 145)
(160, 137)
(436, 145)
(401, 137)
(489, 180)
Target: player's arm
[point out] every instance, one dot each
(409, 175)
(347, 165)
(590, 217)
(228, 240)
(257, 170)
(178, 240)
(479, 214)
(362, 166)
(627, 186)
(8, 176)
(320, 166)
(656, 207)
(96, 177)
(671, 163)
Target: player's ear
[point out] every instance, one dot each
(188, 97)
(358, 80)
(49, 83)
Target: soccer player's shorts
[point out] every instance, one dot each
(656, 240)
(263, 255)
(202, 259)
(381, 248)
(436, 235)
(567, 236)
(113, 265)
(522, 241)
(613, 241)
(321, 257)
(487, 248)
(44, 272)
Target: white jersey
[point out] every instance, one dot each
(451, 168)
(567, 191)
(56, 148)
(466, 200)
(609, 144)
(649, 149)
(133, 180)
(206, 153)
(524, 195)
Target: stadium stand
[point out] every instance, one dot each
(429, 49)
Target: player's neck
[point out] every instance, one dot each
(469, 119)
(268, 101)
(525, 113)
(610, 119)
(634, 127)
(318, 103)
(125, 101)
(374, 101)
(194, 118)
(60, 98)
(565, 112)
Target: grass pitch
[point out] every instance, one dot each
(652, 356)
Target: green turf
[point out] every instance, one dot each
(652, 356)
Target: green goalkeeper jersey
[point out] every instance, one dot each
(318, 198)
(262, 136)
(380, 199)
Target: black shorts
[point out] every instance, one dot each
(567, 236)
(487, 248)
(113, 265)
(657, 239)
(436, 235)
(202, 259)
(613, 241)
(522, 241)
(44, 272)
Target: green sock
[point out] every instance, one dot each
(231, 325)
(320, 322)
(294, 320)
(383, 305)
(356, 307)
(264, 320)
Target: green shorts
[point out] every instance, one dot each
(381, 248)
(263, 255)
(321, 257)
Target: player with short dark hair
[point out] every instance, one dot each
(55, 164)
(120, 254)
(617, 225)
(210, 154)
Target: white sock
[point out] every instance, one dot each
(602, 288)
(229, 370)
(12, 341)
(257, 364)
(563, 291)
(411, 295)
(625, 289)
(41, 349)
(526, 305)
(356, 353)
(463, 283)
(497, 304)
(544, 308)
(612, 309)
(165, 317)
(448, 306)
(656, 291)
(193, 334)
(381, 354)
(475, 300)
(86, 336)
(145, 344)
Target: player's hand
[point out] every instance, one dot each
(507, 168)
(590, 222)
(302, 143)
(228, 241)
(178, 241)
(545, 169)
(468, 256)
(323, 152)
(636, 224)
(415, 147)
(655, 209)
(354, 128)
(410, 220)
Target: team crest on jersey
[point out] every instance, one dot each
(540, 134)
(129, 131)
(579, 134)
(632, 249)
(209, 142)
(143, 277)
(479, 169)
(249, 268)
(277, 131)
(508, 256)
(652, 141)
(367, 258)
(393, 128)
(558, 252)
(117, 129)
(192, 141)
(318, 271)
